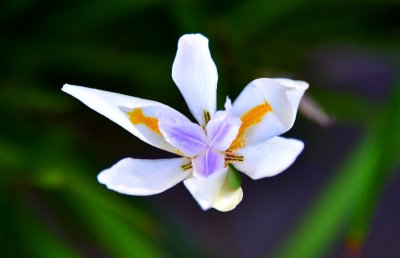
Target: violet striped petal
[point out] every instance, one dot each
(180, 132)
(208, 162)
(223, 128)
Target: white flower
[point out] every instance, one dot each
(244, 135)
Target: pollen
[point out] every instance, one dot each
(136, 117)
(250, 118)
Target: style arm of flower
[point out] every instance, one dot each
(244, 135)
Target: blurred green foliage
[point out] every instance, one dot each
(51, 204)
(354, 190)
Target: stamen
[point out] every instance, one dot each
(136, 117)
(250, 118)
(207, 116)
(230, 157)
(187, 166)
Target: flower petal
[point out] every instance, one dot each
(189, 138)
(268, 158)
(195, 74)
(223, 128)
(208, 162)
(144, 177)
(267, 108)
(115, 107)
(206, 189)
(228, 199)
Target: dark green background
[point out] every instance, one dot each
(341, 197)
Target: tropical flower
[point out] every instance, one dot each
(244, 135)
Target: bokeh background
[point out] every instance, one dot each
(341, 198)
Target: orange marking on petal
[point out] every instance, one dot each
(136, 117)
(250, 118)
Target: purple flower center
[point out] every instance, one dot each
(205, 147)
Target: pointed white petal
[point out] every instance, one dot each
(144, 177)
(195, 74)
(296, 92)
(267, 108)
(115, 107)
(268, 158)
(228, 199)
(206, 190)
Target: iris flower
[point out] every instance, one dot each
(244, 135)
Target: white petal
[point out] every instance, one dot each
(206, 190)
(115, 106)
(195, 74)
(278, 101)
(268, 158)
(144, 177)
(228, 199)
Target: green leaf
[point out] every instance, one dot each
(390, 142)
(254, 16)
(348, 193)
(37, 240)
(123, 229)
